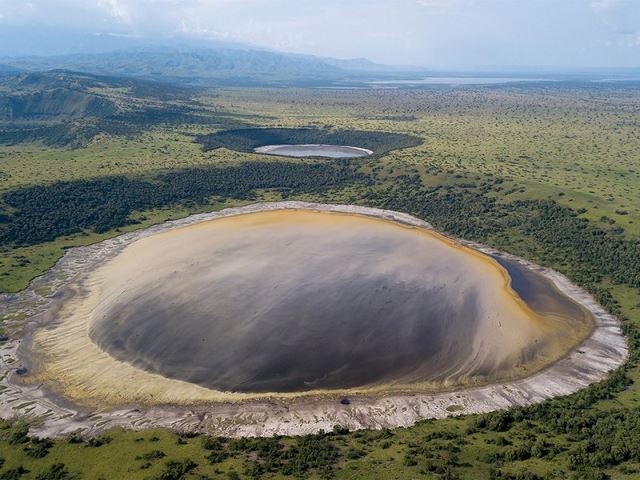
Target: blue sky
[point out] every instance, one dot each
(420, 32)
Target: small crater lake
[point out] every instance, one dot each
(314, 150)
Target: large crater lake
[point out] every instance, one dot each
(298, 300)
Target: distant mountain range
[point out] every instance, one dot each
(185, 60)
(208, 66)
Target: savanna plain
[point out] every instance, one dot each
(550, 173)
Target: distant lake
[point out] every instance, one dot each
(617, 79)
(459, 81)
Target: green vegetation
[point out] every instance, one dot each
(247, 139)
(44, 213)
(68, 109)
(578, 146)
(54, 102)
(550, 173)
(555, 234)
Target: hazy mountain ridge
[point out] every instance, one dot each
(202, 65)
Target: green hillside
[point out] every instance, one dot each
(54, 103)
(62, 108)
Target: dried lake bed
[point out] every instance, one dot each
(275, 313)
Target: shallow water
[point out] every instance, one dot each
(538, 291)
(296, 300)
(460, 81)
(329, 151)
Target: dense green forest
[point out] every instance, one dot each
(246, 139)
(43, 213)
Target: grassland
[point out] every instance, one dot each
(363, 455)
(32, 164)
(576, 146)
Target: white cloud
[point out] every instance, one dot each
(601, 5)
(116, 9)
(444, 6)
(134, 15)
(621, 16)
(427, 32)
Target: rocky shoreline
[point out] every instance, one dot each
(604, 350)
